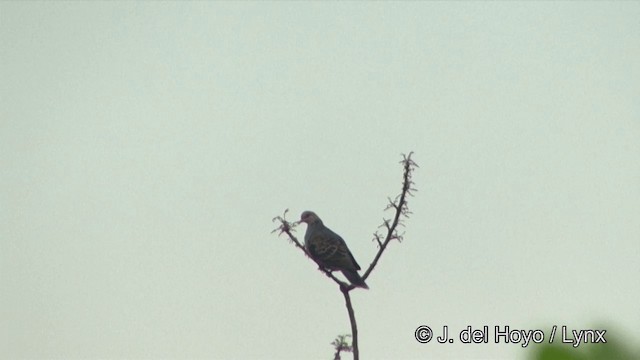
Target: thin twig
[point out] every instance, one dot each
(341, 344)
(401, 210)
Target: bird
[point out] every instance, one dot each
(329, 249)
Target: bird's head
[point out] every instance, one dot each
(309, 217)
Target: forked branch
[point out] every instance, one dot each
(401, 212)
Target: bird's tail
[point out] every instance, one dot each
(355, 278)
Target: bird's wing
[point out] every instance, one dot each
(331, 250)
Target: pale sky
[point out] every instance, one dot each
(146, 146)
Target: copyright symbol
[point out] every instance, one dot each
(424, 334)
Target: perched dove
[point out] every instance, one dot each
(329, 250)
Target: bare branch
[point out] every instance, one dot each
(352, 320)
(401, 211)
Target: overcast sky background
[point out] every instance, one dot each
(146, 146)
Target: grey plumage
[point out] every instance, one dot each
(329, 249)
